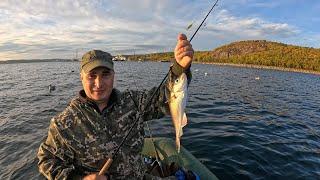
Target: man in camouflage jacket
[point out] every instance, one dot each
(89, 130)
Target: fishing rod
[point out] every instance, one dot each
(203, 20)
(149, 130)
(107, 165)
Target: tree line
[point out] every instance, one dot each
(252, 52)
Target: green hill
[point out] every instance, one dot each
(253, 52)
(261, 52)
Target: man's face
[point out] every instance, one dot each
(98, 84)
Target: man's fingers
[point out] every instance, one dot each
(95, 177)
(182, 44)
(183, 49)
(186, 53)
(182, 41)
(182, 37)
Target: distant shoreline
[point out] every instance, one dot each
(36, 60)
(197, 62)
(263, 67)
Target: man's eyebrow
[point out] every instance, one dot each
(92, 72)
(106, 71)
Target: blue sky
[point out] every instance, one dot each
(33, 29)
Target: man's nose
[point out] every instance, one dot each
(98, 81)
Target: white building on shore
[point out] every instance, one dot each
(119, 58)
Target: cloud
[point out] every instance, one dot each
(59, 28)
(250, 27)
(253, 3)
(84, 24)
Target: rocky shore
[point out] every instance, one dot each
(263, 67)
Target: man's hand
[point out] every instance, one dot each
(183, 52)
(95, 177)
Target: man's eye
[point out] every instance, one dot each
(106, 74)
(92, 76)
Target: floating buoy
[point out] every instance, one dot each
(51, 88)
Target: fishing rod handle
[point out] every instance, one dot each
(106, 166)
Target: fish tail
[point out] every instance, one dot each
(178, 144)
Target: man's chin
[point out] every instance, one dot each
(100, 99)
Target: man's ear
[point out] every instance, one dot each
(81, 75)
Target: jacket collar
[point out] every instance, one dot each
(113, 99)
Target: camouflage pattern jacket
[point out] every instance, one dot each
(81, 138)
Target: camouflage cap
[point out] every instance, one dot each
(96, 58)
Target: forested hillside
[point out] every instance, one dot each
(253, 52)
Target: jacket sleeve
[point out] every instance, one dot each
(158, 106)
(55, 158)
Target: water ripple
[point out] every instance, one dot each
(240, 128)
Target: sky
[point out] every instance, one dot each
(44, 29)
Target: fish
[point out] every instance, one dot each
(177, 104)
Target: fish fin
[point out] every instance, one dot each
(180, 132)
(173, 96)
(169, 100)
(184, 121)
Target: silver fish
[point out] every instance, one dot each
(177, 105)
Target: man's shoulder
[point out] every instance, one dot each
(135, 92)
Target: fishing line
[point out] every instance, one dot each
(106, 166)
(149, 130)
(193, 36)
(203, 20)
